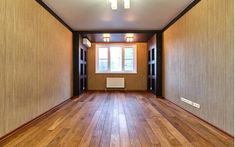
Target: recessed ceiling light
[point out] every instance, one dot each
(129, 39)
(127, 4)
(130, 35)
(106, 39)
(106, 35)
(114, 4)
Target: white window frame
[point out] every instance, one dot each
(123, 46)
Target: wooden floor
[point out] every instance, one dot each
(119, 119)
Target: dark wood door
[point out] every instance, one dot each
(152, 69)
(155, 64)
(83, 69)
(79, 65)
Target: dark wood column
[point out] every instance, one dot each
(159, 64)
(155, 64)
(79, 65)
(75, 64)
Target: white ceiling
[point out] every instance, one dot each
(98, 15)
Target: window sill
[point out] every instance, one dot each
(117, 73)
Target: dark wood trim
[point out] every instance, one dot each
(222, 131)
(75, 64)
(159, 61)
(32, 122)
(181, 14)
(54, 14)
(152, 66)
(116, 90)
(78, 76)
(82, 65)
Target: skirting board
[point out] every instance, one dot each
(222, 131)
(32, 122)
(116, 90)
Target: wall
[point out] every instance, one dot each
(133, 81)
(198, 62)
(35, 62)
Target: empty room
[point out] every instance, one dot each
(117, 73)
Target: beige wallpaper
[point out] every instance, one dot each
(198, 62)
(35, 62)
(133, 81)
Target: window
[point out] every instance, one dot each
(81, 66)
(81, 54)
(102, 59)
(129, 57)
(115, 58)
(153, 54)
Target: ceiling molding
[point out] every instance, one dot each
(181, 14)
(54, 14)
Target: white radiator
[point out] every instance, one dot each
(115, 83)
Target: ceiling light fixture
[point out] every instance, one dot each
(106, 37)
(129, 37)
(127, 4)
(114, 4)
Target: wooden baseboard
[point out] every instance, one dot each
(116, 90)
(222, 131)
(32, 122)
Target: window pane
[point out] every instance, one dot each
(153, 54)
(153, 69)
(129, 53)
(103, 65)
(129, 59)
(81, 54)
(102, 59)
(103, 53)
(115, 59)
(129, 65)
